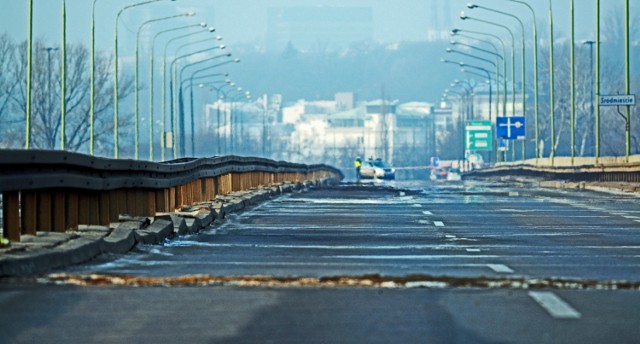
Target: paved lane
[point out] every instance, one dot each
(466, 231)
(477, 229)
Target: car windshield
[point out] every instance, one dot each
(378, 163)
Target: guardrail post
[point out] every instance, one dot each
(45, 210)
(72, 209)
(11, 215)
(84, 208)
(104, 208)
(28, 212)
(59, 211)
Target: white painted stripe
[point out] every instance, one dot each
(554, 305)
(501, 268)
(637, 220)
(631, 217)
(427, 212)
(418, 205)
(438, 223)
(473, 250)
(514, 193)
(416, 257)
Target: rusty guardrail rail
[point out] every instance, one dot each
(57, 190)
(611, 172)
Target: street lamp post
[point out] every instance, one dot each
(136, 108)
(175, 91)
(27, 137)
(504, 66)
(164, 95)
(115, 74)
(151, 86)
(513, 71)
(535, 71)
(597, 82)
(551, 87)
(523, 62)
(63, 77)
(497, 66)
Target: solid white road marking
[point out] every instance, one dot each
(427, 213)
(473, 250)
(438, 223)
(631, 217)
(418, 205)
(501, 268)
(554, 305)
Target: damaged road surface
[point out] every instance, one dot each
(409, 263)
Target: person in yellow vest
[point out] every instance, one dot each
(358, 164)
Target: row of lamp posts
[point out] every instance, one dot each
(175, 82)
(474, 37)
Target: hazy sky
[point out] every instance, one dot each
(245, 21)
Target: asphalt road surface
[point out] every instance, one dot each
(540, 266)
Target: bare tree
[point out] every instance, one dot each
(46, 96)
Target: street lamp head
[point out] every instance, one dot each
(455, 32)
(236, 60)
(471, 6)
(229, 55)
(449, 50)
(212, 29)
(226, 74)
(463, 16)
(239, 89)
(203, 24)
(452, 42)
(191, 14)
(221, 46)
(218, 38)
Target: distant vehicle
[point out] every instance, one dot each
(454, 175)
(376, 169)
(438, 174)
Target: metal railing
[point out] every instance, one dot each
(57, 190)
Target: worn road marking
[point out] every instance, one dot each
(418, 205)
(438, 223)
(554, 305)
(631, 217)
(514, 193)
(426, 212)
(501, 268)
(473, 250)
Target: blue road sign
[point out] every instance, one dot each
(510, 128)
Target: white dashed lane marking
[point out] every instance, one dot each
(501, 268)
(554, 305)
(438, 223)
(426, 212)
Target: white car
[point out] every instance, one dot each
(454, 175)
(376, 169)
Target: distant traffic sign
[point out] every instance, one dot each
(510, 128)
(478, 135)
(618, 100)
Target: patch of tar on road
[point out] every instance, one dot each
(368, 281)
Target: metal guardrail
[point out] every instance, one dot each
(57, 190)
(589, 173)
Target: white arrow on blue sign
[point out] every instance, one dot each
(510, 128)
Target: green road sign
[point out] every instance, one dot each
(478, 135)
